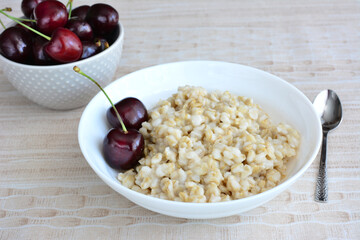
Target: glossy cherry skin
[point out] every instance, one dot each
(64, 46)
(132, 111)
(40, 57)
(122, 150)
(27, 6)
(103, 18)
(80, 12)
(81, 28)
(50, 15)
(15, 44)
(89, 49)
(112, 36)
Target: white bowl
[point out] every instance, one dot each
(58, 86)
(277, 97)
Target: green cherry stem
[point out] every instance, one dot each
(26, 20)
(24, 25)
(2, 24)
(70, 7)
(77, 69)
(6, 10)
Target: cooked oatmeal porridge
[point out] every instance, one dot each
(210, 147)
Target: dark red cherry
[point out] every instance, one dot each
(27, 6)
(64, 46)
(80, 12)
(50, 15)
(40, 57)
(132, 111)
(81, 28)
(15, 44)
(112, 36)
(89, 49)
(123, 150)
(103, 18)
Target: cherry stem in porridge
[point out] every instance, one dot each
(77, 69)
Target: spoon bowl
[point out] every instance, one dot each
(328, 106)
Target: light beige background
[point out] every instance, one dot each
(48, 191)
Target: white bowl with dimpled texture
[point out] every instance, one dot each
(281, 100)
(58, 86)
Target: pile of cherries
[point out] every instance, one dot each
(52, 34)
(123, 146)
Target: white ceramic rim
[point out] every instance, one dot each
(117, 41)
(273, 190)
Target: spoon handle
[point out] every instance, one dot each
(321, 194)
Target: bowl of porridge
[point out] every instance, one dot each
(221, 138)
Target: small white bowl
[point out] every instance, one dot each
(58, 86)
(280, 99)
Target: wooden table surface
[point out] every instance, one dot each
(48, 191)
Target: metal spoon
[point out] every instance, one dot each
(328, 107)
